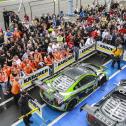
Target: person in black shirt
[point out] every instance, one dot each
(6, 18)
(9, 59)
(24, 107)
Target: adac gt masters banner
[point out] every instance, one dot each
(60, 65)
(86, 50)
(39, 74)
(105, 48)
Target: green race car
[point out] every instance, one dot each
(65, 90)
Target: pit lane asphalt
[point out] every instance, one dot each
(11, 113)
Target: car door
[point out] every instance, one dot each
(86, 85)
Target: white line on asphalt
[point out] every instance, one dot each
(8, 100)
(117, 72)
(107, 62)
(61, 116)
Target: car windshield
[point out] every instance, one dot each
(75, 73)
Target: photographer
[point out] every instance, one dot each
(24, 108)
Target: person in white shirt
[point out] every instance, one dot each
(54, 46)
(50, 50)
(105, 33)
(89, 41)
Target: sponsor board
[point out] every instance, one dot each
(60, 65)
(39, 74)
(105, 48)
(86, 50)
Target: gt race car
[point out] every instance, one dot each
(66, 89)
(111, 110)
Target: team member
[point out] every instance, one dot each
(15, 90)
(24, 107)
(117, 53)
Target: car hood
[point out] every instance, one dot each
(61, 83)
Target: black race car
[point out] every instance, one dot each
(111, 110)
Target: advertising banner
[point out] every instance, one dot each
(39, 74)
(105, 48)
(86, 50)
(60, 65)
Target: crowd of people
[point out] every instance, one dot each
(28, 46)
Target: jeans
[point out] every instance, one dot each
(116, 61)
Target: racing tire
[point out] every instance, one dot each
(102, 81)
(71, 104)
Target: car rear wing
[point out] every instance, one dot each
(99, 116)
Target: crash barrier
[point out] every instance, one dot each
(84, 51)
(105, 48)
(60, 65)
(39, 74)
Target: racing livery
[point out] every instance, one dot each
(111, 110)
(65, 90)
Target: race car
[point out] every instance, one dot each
(66, 89)
(111, 110)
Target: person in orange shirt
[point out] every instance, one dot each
(48, 60)
(65, 53)
(16, 34)
(28, 69)
(15, 69)
(37, 56)
(15, 90)
(58, 56)
(32, 64)
(23, 64)
(7, 70)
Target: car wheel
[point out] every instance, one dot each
(71, 104)
(102, 81)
